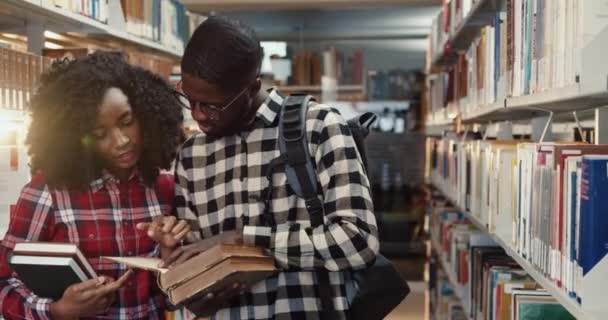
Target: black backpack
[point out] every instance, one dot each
(376, 290)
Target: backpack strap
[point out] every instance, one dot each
(302, 176)
(293, 145)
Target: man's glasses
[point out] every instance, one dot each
(213, 112)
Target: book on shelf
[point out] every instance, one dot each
(209, 272)
(34, 261)
(495, 282)
(95, 9)
(530, 46)
(542, 200)
(537, 304)
(164, 21)
(19, 74)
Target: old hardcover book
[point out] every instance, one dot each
(209, 272)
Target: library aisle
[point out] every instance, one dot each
(487, 164)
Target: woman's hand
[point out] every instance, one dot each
(166, 230)
(88, 298)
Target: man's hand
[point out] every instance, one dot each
(166, 230)
(181, 254)
(88, 298)
(210, 304)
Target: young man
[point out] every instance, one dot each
(221, 180)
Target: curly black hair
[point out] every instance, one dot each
(64, 111)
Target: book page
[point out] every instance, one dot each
(144, 263)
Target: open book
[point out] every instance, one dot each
(209, 272)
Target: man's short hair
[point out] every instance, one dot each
(224, 52)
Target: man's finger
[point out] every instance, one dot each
(180, 226)
(168, 223)
(181, 235)
(172, 257)
(186, 256)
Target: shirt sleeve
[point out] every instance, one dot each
(32, 220)
(348, 239)
(183, 203)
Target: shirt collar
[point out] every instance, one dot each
(269, 110)
(108, 178)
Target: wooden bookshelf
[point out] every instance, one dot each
(559, 294)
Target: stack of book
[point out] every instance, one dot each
(542, 199)
(34, 261)
(210, 272)
(490, 284)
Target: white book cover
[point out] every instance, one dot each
(475, 177)
(504, 215)
(485, 183)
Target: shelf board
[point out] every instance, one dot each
(61, 20)
(318, 88)
(456, 287)
(559, 101)
(572, 306)
(481, 14)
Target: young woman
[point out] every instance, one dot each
(101, 131)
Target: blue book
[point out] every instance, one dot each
(497, 28)
(573, 200)
(593, 245)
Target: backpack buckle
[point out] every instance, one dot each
(314, 206)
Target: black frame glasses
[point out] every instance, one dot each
(209, 110)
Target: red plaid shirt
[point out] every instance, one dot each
(102, 222)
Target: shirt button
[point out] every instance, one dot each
(130, 253)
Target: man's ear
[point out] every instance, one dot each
(256, 86)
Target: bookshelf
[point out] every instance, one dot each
(561, 296)
(52, 18)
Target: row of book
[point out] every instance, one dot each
(544, 199)
(395, 84)
(164, 21)
(19, 73)
(308, 67)
(531, 46)
(159, 65)
(450, 17)
(489, 284)
(95, 9)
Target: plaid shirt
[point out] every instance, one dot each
(102, 222)
(219, 186)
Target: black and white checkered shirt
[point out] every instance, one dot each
(219, 185)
